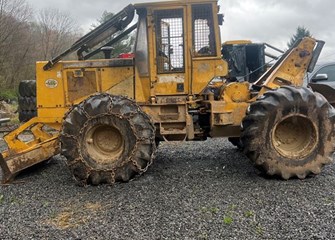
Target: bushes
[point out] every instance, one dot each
(8, 95)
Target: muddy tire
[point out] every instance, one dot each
(288, 132)
(236, 141)
(107, 139)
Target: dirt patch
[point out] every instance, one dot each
(75, 215)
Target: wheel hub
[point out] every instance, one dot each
(295, 137)
(104, 143)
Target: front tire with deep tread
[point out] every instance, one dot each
(289, 132)
(107, 139)
(236, 141)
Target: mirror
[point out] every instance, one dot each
(320, 77)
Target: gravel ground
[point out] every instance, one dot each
(194, 190)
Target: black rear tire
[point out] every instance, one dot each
(32, 88)
(106, 139)
(236, 141)
(25, 116)
(27, 88)
(27, 100)
(289, 132)
(27, 103)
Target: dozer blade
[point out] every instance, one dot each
(43, 143)
(14, 164)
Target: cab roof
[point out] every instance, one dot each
(172, 3)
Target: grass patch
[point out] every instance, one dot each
(228, 220)
(8, 94)
(15, 200)
(249, 214)
(232, 207)
(328, 201)
(213, 210)
(259, 230)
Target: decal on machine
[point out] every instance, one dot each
(51, 83)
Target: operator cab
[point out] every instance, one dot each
(180, 43)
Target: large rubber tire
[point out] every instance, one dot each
(23, 104)
(27, 103)
(106, 139)
(27, 100)
(236, 141)
(289, 132)
(27, 88)
(32, 88)
(25, 116)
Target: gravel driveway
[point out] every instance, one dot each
(194, 190)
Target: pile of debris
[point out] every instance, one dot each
(7, 110)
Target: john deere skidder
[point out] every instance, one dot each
(107, 115)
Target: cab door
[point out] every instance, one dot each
(170, 73)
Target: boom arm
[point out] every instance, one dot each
(117, 23)
(292, 66)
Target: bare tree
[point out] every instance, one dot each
(56, 31)
(23, 41)
(14, 17)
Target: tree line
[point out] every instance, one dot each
(27, 36)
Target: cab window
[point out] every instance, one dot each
(203, 30)
(169, 26)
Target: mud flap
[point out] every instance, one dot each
(15, 163)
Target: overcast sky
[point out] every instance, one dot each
(271, 21)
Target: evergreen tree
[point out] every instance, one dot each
(300, 33)
(125, 45)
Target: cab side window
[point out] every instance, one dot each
(169, 25)
(203, 30)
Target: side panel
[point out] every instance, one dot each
(71, 82)
(49, 84)
(80, 83)
(203, 70)
(118, 81)
(50, 93)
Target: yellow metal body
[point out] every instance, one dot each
(292, 69)
(170, 98)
